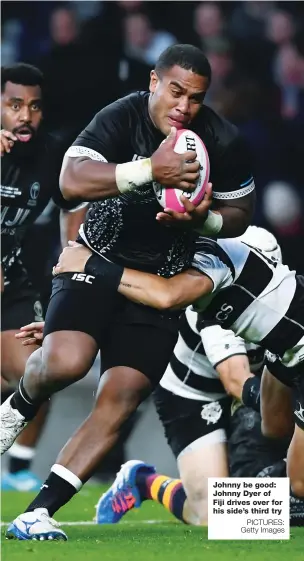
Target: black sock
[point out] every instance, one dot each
(18, 464)
(24, 404)
(54, 493)
(5, 395)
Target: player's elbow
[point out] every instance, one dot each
(165, 301)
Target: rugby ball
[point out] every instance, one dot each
(167, 197)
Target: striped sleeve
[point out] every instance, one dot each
(211, 260)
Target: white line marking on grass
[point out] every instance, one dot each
(92, 523)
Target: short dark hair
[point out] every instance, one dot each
(188, 57)
(21, 73)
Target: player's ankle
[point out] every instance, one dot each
(57, 490)
(24, 404)
(144, 481)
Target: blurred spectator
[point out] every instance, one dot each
(129, 6)
(280, 27)
(249, 19)
(63, 27)
(220, 55)
(208, 22)
(80, 79)
(10, 41)
(141, 41)
(280, 30)
(283, 208)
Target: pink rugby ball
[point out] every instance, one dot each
(167, 197)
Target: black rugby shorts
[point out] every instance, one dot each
(182, 418)
(126, 333)
(249, 450)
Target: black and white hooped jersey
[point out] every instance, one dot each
(27, 185)
(258, 298)
(190, 373)
(124, 228)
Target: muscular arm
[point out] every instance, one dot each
(233, 372)
(157, 292)
(85, 177)
(237, 214)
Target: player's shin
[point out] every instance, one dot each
(164, 490)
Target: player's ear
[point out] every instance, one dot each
(153, 81)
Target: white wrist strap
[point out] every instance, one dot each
(131, 175)
(212, 225)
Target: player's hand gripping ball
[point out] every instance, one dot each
(170, 197)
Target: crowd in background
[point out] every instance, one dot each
(91, 53)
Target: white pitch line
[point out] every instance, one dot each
(92, 523)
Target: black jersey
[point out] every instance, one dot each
(124, 228)
(27, 185)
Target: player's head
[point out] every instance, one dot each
(263, 240)
(21, 93)
(178, 85)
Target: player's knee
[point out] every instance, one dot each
(57, 365)
(297, 486)
(34, 363)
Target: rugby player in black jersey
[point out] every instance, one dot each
(113, 164)
(30, 167)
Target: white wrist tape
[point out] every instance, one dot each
(131, 175)
(212, 225)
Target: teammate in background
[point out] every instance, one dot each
(114, 162)
(30, 161)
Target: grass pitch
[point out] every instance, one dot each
(146, 534)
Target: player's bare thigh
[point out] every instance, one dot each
(276, 407)
(206, 457)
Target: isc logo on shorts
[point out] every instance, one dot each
(81, 277)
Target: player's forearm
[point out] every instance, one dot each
(233, 372)
(90, 180)
(144, 288)
(239, 382)
(155, 291)
(87, 180)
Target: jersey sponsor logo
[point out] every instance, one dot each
(82, 277)
(38, 311)
(300, 413)
(224, 312)
(136, 157)
(34, 193)
(212, 412)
